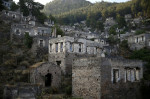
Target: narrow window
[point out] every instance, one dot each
(41, 43)
(71, 47)
(56, 47)
(61, 47)
(80, 48)
(50, 48)
(142, 38)
(137, 78)
(137, 39)
(115, 75)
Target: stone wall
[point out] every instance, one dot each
(118, 78)
(11, 16)
(39, 71)
(22, 91)
(137, 42)
(86, 78)
(64, 60)
(122, 89)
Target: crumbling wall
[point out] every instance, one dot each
(38, 73)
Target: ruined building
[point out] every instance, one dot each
(63, 50)
(105, 78)
(140, 41)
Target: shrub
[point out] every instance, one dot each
(68, 90)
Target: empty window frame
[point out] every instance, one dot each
(58, 63)
(80, 47)
(50, 48)
(56, 46)
(115, 75)
(61, 47)
(71, 47)
(41, 43)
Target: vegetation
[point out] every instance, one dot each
(31, 7)
(58, 30)
(14, 6)
(1, 6)
(92, 12)
(28, 40)
(61, 6)
(139, 32)
(112, 30)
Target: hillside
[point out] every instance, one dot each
(60, 6)
(70, 12)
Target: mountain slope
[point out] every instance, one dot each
(60, 6)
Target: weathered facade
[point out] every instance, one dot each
(46, 74)
(97, 78)
(63, 50)
(137, 42)
(12, 16)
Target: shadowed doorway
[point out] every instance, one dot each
(48, 80)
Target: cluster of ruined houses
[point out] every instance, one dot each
(79, 54)
(90, 68)
(20, 25)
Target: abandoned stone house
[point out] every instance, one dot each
(18, 31)
(63, 50)
(12, 15)
(109, 22)
(45, 74)
(137, 42)
(40, 44)
(125, 36)
(7, 3)
(98, 78)
(81, 34)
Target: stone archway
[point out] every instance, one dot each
(48, 80)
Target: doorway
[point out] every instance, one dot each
(48, 80)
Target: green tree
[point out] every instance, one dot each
(100, 26)
(121, 21)
(14, 6)
(146, 7)
(28, 40)
(23, 7)
(31, 7)
(1, 5)
(112, 30)
(58, 30)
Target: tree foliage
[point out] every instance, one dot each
(31, 7)
(14, 6)
(1, 5)
(28, 40)
(89, 11)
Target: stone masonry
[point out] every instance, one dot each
(98, 78)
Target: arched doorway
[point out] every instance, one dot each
(48, 80)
